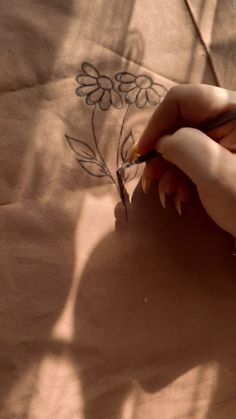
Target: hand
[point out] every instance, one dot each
(188, 154)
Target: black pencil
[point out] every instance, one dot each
(206, 127)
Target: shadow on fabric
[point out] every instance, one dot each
(153, 297)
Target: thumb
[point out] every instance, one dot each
(196, 154)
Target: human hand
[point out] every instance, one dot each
(209, 161)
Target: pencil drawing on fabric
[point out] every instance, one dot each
(124, 91)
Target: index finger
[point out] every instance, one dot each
(185, 106)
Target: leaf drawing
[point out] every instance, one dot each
(101, 93)
(93, 167)
(130, 173)
(126, 146)
(82, 149)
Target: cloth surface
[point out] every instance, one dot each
(103, 319)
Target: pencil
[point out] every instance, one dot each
(205, 127)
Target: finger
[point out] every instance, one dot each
(186, 105)
(222, 131)
(154, 168)
(170, 180)
(193, 152)
(173, 181)
(184, 190)
(168, 184)
(182, 195)
(229, 141)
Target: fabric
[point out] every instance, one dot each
(99, 317)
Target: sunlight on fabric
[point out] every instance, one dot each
(128, 408)
(204, 383)
(57, 377)
(20, 392)
(203, 18)
(98, 212)
(205, 14)
(189, 396)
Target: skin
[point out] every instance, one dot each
(188, 155)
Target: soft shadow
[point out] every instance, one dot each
(209, 76)
(37, 254)
(151, 303)
(223, 401)
(37, 249)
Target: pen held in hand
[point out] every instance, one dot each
(206, 127)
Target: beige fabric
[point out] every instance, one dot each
(99, 318)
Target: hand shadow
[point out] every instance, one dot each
(152, 300)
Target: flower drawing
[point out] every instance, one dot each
(140, 90)
(97, 88)
(125, 92)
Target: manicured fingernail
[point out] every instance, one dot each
(133, 153)
(160, 145)
(178, 204)
(146, 184)
(162, 196)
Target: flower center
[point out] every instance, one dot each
(143, 82)
(105, 83)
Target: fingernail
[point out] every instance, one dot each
(133, 153)
(160, 145)
(146, 184)
(178, 204)
(162, 196)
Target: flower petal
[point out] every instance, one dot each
(125, 77)
(88, 80)
(141, 99)
(105, 101)
(152, 96)
(85, 90)
(130, 97)
(160, 89)
(116, 99)
(90, 70)
(126, 87)
(94, 96)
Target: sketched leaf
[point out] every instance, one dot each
(93, 168)
(131, 173)
(126, 146)
(81, 148)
